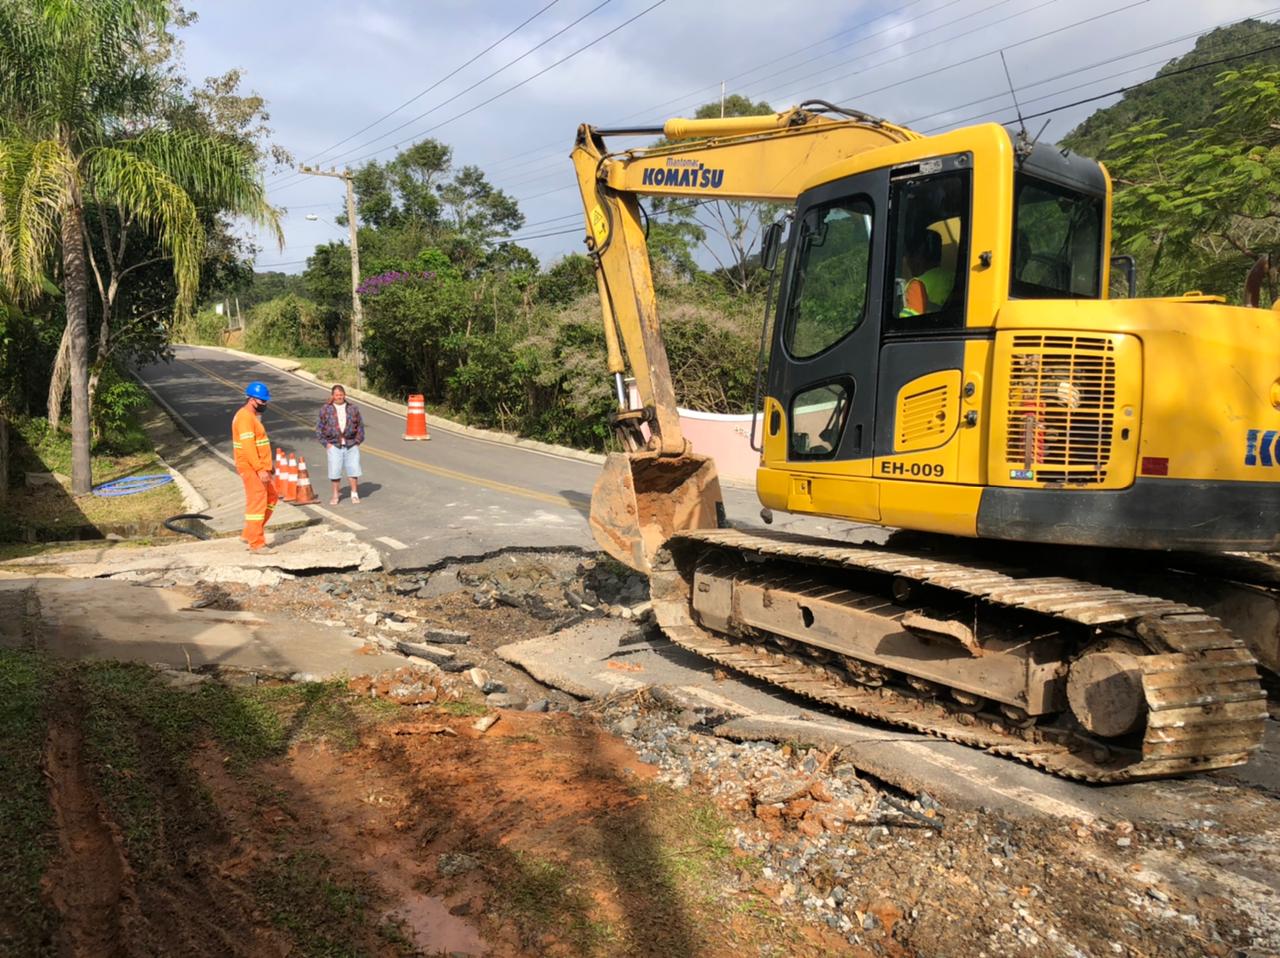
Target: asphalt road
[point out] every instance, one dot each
(456, 496)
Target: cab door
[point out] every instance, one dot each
(821, 406)
(925, 334)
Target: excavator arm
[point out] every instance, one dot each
(660, 486)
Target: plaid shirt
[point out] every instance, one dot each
(327, 428)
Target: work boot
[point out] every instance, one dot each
(262, 551)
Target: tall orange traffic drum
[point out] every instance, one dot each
(415, 426)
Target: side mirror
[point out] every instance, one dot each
(1128, 267)
(770, 246)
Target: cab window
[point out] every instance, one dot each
(1057, 241)
(818, 418)
(930, 231)
(828, 297)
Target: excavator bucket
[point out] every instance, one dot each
(642, 499)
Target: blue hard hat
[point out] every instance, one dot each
(257, 390)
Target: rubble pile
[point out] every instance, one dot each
(889, 872)
(873, 863)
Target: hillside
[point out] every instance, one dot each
(1188, 100)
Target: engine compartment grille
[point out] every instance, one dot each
(1061, 413)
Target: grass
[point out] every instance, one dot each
(140, 732)
(28, 841)
(324, 917)
(50, 512)
(329, 370)
(463, 709)
(541, 895)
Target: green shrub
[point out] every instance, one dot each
(205, 328)
(113, 407)
(286, 326)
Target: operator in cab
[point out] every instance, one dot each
(930, 284)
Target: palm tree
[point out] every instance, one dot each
(79, 102)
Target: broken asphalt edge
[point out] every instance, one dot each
(294, 368)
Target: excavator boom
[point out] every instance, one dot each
(660, 486)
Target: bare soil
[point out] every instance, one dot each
(376, 818)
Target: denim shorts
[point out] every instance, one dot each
(344, 457)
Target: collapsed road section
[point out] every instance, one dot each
(511, 677)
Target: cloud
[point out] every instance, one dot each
(329, 68)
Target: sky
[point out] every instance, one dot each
(328, 69)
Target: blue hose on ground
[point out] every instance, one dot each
(131, 484)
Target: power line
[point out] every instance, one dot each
(683, 97)
(516, 86)
(292, 262)
(581, 229)
(951, 39)
(889, 29)
(945, 42)
(1194, 35)
(1116, 92)
(1050, 79)
(1164, 76)
(448, 76)
(1039, 99)
(1011, 46)
(482, 80)
(1094, 98)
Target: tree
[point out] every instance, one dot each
(726, 230)
(1187, 99)
(74, 76)
(417, 200)
(1198, 207)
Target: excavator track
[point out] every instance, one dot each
(1204, 705)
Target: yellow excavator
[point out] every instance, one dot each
(1073, 473)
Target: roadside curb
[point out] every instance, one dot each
(193, 499)
(397, 409)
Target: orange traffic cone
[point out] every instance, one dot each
(291, 479)
(281, 469)
(415, 426)
(306, 495)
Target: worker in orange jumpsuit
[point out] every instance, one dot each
(253, 462)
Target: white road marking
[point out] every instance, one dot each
(341, 520)
(443, 427)
(190, 430)
(394, 543)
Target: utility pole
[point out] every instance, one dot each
(357, 311)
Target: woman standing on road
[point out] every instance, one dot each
(341, 431)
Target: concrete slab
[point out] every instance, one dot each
(602, 656)
(95, 619)
(311, 549)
